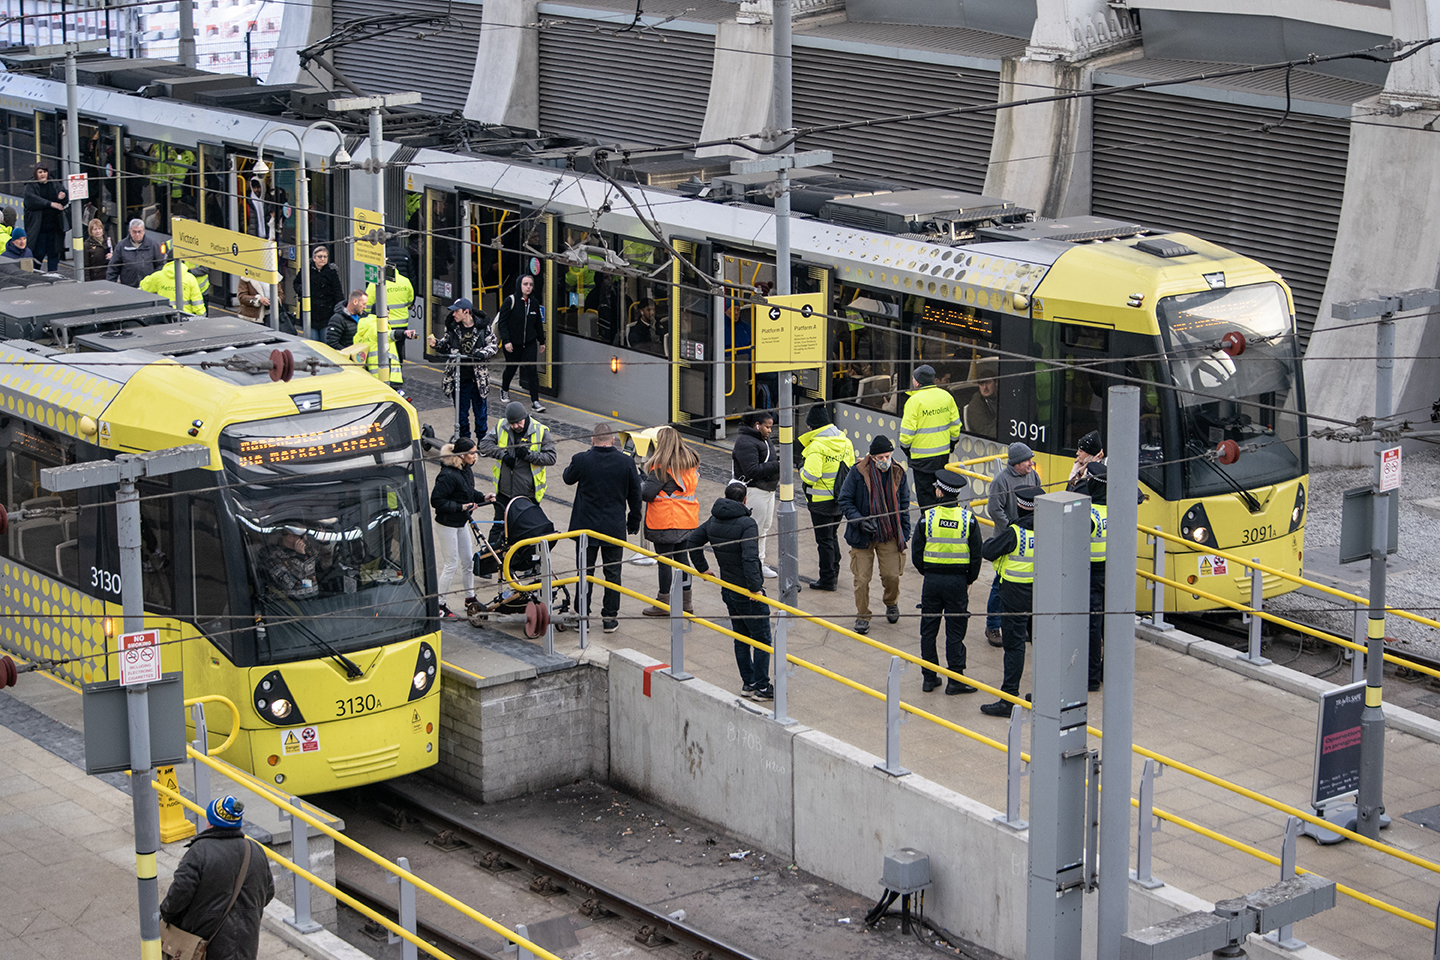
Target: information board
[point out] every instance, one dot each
(139, 658)
(367, 222)
(790, 333)
(228, 251)
(1337, 744)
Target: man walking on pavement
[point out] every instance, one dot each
(929, 430)
(875, 500)
(607, 485)
(946, 551)
(522, 447)
(520, 327)
(828, 457)
(756, 462)
(1016, 544)
(1003, 513)
(468, 347)
(731, 531)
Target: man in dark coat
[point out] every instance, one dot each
(520, 328)
(45, 217)
(205, 880)
(340, 332)
(135, 258)
(607, 487)
(756, 461)
(732, 532)
(875, 500)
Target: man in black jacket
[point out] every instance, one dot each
(520, 328)
(607, 485)
(205, 881)
(946, 551)
(756, 461)
(340, 333)
(135, 258)
(732, 532)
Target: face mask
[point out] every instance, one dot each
(883, 465)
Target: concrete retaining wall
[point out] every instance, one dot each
(507, 739)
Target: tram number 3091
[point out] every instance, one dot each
(1020, 430)
(351, 706)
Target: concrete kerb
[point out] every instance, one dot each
(1283, 678)
(322, 944)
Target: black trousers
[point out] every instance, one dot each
(925, 490)
(1016, 601)
(752, 618)
(524, 361)
(612, 554)
(825, 516)
(1097, 622)
(948, 594)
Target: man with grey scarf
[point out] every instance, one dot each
(875, 500)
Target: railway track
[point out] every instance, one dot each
(405, 810)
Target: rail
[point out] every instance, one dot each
(1237, 789)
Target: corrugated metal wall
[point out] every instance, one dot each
(632, 87)
(836, 87)
(1203, 166)
(439, 66)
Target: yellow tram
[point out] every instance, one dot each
(294, 576)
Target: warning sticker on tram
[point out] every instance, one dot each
(304, 740)
(1213, 566)
(415, 720)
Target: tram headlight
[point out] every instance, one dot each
(1196, 527)
(1199, 534)
(274, 702)
(1297, 515)
(426, 665)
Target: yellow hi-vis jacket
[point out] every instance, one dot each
(825, 450)
(399, 294)
(929, 427)
(162, 284)
(366, 333)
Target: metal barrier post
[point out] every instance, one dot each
(679, 626)
(1284, 936)
(1157, 589)
(1357, 657)
(547, 596)
(582, 603)
(1437, 932)
(1148, 826)
(1014, 771)
(1092, 821)
(520, 952)
(1257, 603)
(892, 721)
(781, 666)
(300, 855)
(202, 772)
(406, 915)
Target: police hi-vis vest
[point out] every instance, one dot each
(947, 535)
(930, 424)
(534, 435)
(1020, 562)
(1097, 532)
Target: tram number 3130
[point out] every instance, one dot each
(353, 705)
(1020, 430)
(105, 581)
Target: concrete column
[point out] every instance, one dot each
(301, 24)
(505, 86)
(1418, 76)
(742, 85)
(1040, 156)
(1386, 242)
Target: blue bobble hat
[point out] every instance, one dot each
(225, 812)
(17, 233)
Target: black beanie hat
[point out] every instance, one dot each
(881, 444)
(818, 417)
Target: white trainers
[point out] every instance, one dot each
(770, 573)
(504, 396)
(535, 405)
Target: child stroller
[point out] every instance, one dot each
(524, 519)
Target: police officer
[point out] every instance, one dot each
(929, 430)
(399, 294)
(828, 456)
(1095, 472)
(1016, 544)
(946, 551)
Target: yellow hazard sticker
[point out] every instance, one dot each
(289, 742)
(1213, 566)
(415, 722)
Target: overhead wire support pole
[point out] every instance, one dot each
(786, 517)
(72, 154)
(187, 33)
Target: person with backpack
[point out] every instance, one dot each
(731, 531)
(828, 457)
(520, 327)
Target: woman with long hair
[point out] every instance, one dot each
(97, 251)
(671, 488)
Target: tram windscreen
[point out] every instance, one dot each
(1252, 398)
(334, 563)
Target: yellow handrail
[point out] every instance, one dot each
(343, 897)
(380, 861)
(234, 719)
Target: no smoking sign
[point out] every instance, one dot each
(139, 658)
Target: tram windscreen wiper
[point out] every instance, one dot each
(351, 670)
(1251, 504)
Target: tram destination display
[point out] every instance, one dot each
(318, 438)
(1337, 744)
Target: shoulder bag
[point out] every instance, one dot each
(177, 944)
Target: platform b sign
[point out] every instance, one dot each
(139, 658)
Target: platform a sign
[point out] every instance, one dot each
(790, 333)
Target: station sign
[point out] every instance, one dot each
(790, 333)
(228, 251)
(366, 223)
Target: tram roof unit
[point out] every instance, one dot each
(50, 305)
(144, 389)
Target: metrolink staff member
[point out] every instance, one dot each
(929, 430)
(399, 294)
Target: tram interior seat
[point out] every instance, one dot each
(877, 393)
(33, 542)
(67, 560)
(587, 324)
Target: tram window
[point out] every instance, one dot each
(870, 347)
(645, 300)
(7, 123)
(157, 544)
(47, 544)
(212, 583)
(591, 301)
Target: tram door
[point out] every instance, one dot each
(439, 258)
(506, 242)
(99, 152)
(694, 344)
